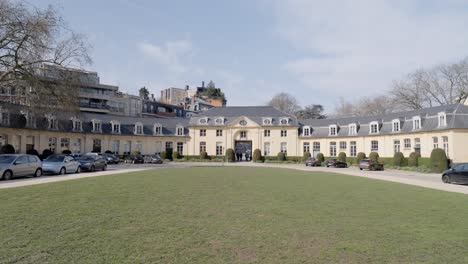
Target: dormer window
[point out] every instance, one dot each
(77, 125)
(97, 126)
(219, 121)
(5, 117)
(138, 129)
(266, 121)
(52, 122)
(416, 122)
(30, 120)
(115, 127)
(332, 130)
(306, 131)
(352, 129)
(374, 127)
(157, 129)
(180, 131)
(442, 116)
(284, 121)
(203, 121)
(243, 123)
(396, 125)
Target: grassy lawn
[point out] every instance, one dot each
(231, 215)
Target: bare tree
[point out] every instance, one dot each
(36, 50)
(285, 102)
(366, 106)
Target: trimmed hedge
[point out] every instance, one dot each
(175, 155)
(163, 155)
(413, 159)
(361, 156)
(374, 156)
(203, 155)
(7, 149)
(439, 161)
(352, 160)
(306, 155)
(108, 152)
(320, 157)
(342, 156)
(398, 159)
(281, 156)
(257, 156)
(230, 155)
(66, 152)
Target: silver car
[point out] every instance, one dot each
(60, 164)
(15, 165)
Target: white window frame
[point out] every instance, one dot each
(180, 131)
(435, 142)
(306, 131)
(243, 134)
(332, 149)
(416, 122)
(442, 119)
(219, 132)
(284, 147)
(267, 121)
(445, 144)
(284, 121)
(284, 133)
(52, 122)
(396, 125)
(352, 148)
(202, 132)
(343, 145)
(376, 125)
(333, 130)
(138, 130)
(266, 149)
(219, 148)
(407, 143)
(97, 126)
(306, 147)
(316, 146)
(77, 124)
(202, 146)
(115, 125)
(4, 116)
(374, 146)
(203, 121)
(396, 145)
(219, 120)
(267, 133)
(352, 129)
(157, 129)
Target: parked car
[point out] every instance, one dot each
(457, 174)
(336, 163)
(135, 159)
(153, 159)
(92, 162)
(313, 162)
(111, 158)
(15, 165)
(370, 165)
(60, 164)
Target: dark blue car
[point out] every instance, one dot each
(457, 174)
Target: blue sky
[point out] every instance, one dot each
(315, 50)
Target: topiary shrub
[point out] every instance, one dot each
(46, 153)
(163, 155)
(398, 159)
(360, 156)
(66, 152)
(306, 155)
(281, 156)
(230, 155)
(374, 156)
(7, 149)
(257, 156)
(321, 157)
(203, 155)
(342, 156)
(108, 152)
(32, 152)
(175, 155)
(413, 159)
(439, 161)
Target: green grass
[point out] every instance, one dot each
(231, 215)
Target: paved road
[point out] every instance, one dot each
(412, 178)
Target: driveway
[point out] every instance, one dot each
(432, 181)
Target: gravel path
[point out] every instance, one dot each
(432, 181)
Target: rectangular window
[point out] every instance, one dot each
(65, 143)
(374, 146)
(157, 130)
(316, 146)
(417, 145)
(266, 133)
(374, 128)
(139, 146)
(97, 127)
(219, 148)
(202, 132)
(180, 131)
(116, 128)
(333, 131)
(180, 148)
(77, 125)
(53, 123)
(97, 145)
(343, 145)
(396, 145)
(76, 145)
(219, 133)
(284, 147)
(306, 132)
(284, 133)
(396, 126)
(202, 146)
(442, 119)
(169, 146)
(306, 147)
(52, 143)
(243, 134)
(435, 141)
(266, 149)
(352, 130)
(139, 129)
(416, 123)
(127, 147)
(332, 149)
(115, 146)
(407, 143)
(446, 145)
(352, 149)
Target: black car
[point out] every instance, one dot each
(368, 164)
(111, 158)
(336, 163)
(312, 162)
(135, 159)
(458, 174)
(92, 162)
(153, 159)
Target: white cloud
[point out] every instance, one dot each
(366, 44)
(171, 54)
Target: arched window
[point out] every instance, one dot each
(180, 131)
(138, 129)
(374, 127)
(157, 129)
(306, 131)
(97, 126)
(115, 127)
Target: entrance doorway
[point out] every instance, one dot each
(243, 150)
